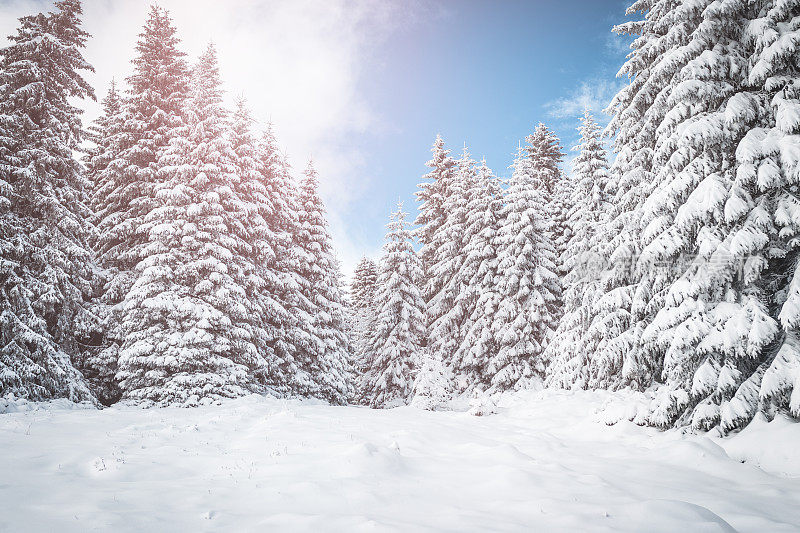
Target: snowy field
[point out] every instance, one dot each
(545, 461)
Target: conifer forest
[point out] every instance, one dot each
(604, 336)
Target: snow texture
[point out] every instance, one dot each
(546, 461)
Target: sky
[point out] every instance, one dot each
(364, 86)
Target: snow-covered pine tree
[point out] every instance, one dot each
(264, 230)
(445, 310)
(479, 296)
(543, 148)
(625, 308)
(188, 334)
(363, 291)
(432, 383)
(124, 190)
(686, 267)
(281, 214)
(99, 365)
(364, 284)
(399, 330)
(763, 207)
(529, 289)
(45, 262)
(326, 357)
(101, 133)
(432, 216)
(569, 352)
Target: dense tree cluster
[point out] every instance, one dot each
(673, 268)
(181, 263)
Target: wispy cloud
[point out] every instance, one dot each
(595, 94)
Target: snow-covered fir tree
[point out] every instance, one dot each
(364, 284)
(45, 263)
(399, 330)
(570, 350)
(701, 192)
(280, 212)
(188, 334)
(363, 302)
(624, 309)
(479, 296)
(682, 221)
(124, 189)
(543, 148)
(99, 365)
(445, 310)
(432, 216)
(265, 232)
(762, 209)
(432, 383)
(528, 285)
(326, 350)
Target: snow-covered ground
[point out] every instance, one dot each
(544, 462)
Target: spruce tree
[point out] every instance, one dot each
(528, 285)
(45, 263)
(189, 337)
(265, 234)
(570, 351)
(446, 311)
(284, 278)
(683, 223)
(763, 206)
(124, 188)
(628, 302)
(99, 365)
(399, 330)
(479, 296)
(363, 295)
(543, 148)
(326, 356)
(364, 284)
(432, 216)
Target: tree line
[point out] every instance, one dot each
(180, 262)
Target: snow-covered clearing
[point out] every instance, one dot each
(545, 461)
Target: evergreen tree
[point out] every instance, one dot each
(100, 364)
(763, 207)
(569, 352)
(630, 297)
(265, 234)
(446, 311)
(363, 291)
(188, 337)
(527, 283)
(124, 189)
(432, 383)
(479, 296)
(45, 263)
(683, 221)
(399, 330)
(327, 352)
(432, 215)
(543, 148)
(364, 284)
(280, 212)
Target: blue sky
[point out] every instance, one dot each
(484, 73)
(364, 86)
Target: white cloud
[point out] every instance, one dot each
(298, 62)
(595, 94)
